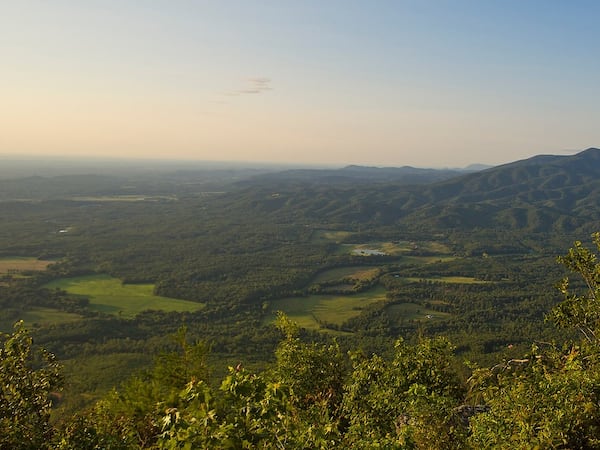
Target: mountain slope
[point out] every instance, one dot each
(352, 175)
(538, 194)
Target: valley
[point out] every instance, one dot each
(367, 264)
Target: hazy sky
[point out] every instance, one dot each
(423, 83)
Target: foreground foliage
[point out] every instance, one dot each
(26, 381)
(551, 397)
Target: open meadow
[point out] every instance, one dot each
(122, 198)
(452, 279)
(17, 264)
(352, 272)
(40, 316)
(403, 312)
(110, 295)
(313, 310)
(327, 236)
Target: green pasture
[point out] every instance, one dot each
(409, 259)
(398, 248)
(338, 273)
(388, 248)
(434, 247)
(38, 317)
(455, 280)
(395, 248)
(121, 198)
(21, 263)
(325, 236)
(410, 311)
(334, 309)
(110, 295)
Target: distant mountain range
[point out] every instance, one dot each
(361, 174)
(541, 193)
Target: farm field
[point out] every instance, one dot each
(410, 311)
(22, 263)
(40, 317)
(324, 236)
(395, 248)
(409, 259)
(308, 312)
(456, 280)
(434, 247)
(122, 198)
(389, 248)
(110, 295)
(354, 272)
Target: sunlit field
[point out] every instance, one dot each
(110, 295)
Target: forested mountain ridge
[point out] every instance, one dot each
(541, 174)
(542, 193)
(354, 174)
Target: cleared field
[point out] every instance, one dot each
(110, 296)
(354, 272)
(426, 259)
(15, 264)
(390, 248)
(333, 309)
(122, 198)
(457, 280)
(40, 316)
(396, 248)
(330, 235)
(434, 247)
(411, 311)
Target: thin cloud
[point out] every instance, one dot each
(253, 86)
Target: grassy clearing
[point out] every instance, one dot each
(327, 236)
(366, 275)
(392, 248)
(110, 296)
(389, 248)
(411, 311)
(456, 280)
(334, 309)
(434, 247)
(15, 264)
(122, 198)
(354, 272)
(397, 248)
(426, 259)
(40, 316)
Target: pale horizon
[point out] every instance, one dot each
(423, 84)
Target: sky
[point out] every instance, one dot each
(388, 83)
